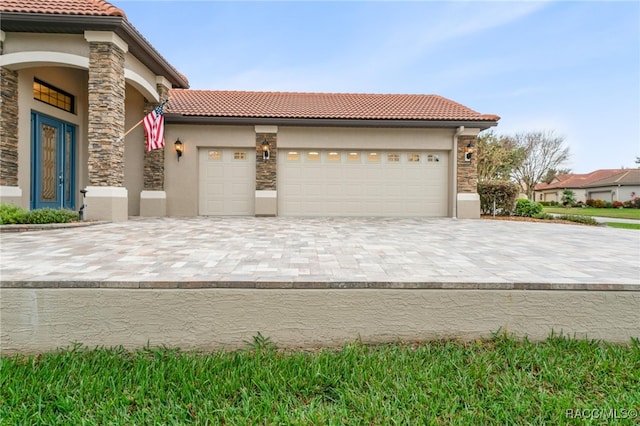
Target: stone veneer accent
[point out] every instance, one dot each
(467, 170)
(8, 127)
(266, 170)
(154, 160)
(106, 114)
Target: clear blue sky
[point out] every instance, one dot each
(568, 66)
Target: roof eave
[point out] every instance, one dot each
(172, 118)
(77, 24)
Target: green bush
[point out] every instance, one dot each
(527, 208)
(587, 220)
(549, 203)
(568, 197)
(504, 193)
(545, 216)
(52, 216)
(11, 214)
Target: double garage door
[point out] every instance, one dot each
(328, 182)
(362, 183)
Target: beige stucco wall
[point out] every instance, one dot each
(36, 320)
(181, 178)
(31, 42)
(134, 149)
(364, 138)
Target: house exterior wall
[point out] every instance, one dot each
(63, 61)
(613, 193)
(181, 177)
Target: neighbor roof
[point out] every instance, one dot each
(77, 16)
(337, 106)
(602, 177)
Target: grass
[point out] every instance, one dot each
(495, 381)
(624, 225)
(590, 211)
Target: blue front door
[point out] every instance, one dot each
(53, 163)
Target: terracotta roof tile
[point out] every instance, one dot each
(213, 103)
(62, 7)
(574, 180)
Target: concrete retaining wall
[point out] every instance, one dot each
(35, 320)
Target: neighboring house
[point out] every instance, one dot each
(76, 75)
(606, 184)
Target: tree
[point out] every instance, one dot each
(497, 157)
(552, 173)
(542, 151)
(568, 198)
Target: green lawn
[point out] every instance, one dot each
(590, 211)
(496, 381)
(624, 225)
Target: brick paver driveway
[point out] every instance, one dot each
(324, 250)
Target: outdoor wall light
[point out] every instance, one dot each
(468, 153)
(265, 150)
(179, 148)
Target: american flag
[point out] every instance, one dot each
(154, 128)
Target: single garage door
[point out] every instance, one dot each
(362, 183)
(227, 181)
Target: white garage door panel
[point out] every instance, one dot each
(370, 186)
(227, 181)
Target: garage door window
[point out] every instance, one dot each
(293, 156)
(333, 157)
(240, 155)
(313, 156)
(413, 158)
(353, 157)
(373, 157)
(393, 158)
(215, 155)
(431, 158)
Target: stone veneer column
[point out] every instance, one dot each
(468, 200)
(10, 192)
(266, 202)
(106, 194)
(153, 198)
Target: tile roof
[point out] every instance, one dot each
(62, 7)
(214, 103)
(575, 180)
(627, 177)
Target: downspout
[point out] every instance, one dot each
(454, 185)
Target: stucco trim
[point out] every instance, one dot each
(19, 60)
(106, 37)
(143, 86)
(106, 191)
(10, 191)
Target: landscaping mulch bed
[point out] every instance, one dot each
(530, 219)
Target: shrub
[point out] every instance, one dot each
(11, 214)
(587, 220)
(598, 204)
(504, 193)
(617, 204)
(589, 202)
(607, 204)
(527, 208)
(52, 216)
(568, 197)
(549, 203)
(545, 216)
